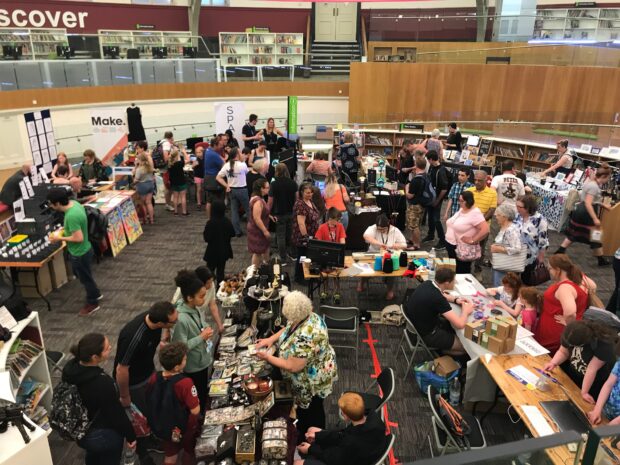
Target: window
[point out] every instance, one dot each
(215, 2)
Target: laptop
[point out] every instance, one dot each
(567, 415)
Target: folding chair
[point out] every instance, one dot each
(342, 320)
(386, 382)
(407, 340)
(53, 360)
(444, 439)
(389, 442)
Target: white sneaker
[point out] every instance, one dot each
(170, 208)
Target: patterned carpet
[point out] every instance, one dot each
(143, 273)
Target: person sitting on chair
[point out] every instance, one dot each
(361, 443)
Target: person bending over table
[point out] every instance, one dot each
(361, 443)
(587, 356)
(382, 236)
(563, 302)
(305, 357)
(429, 310)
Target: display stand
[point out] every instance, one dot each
(143, 41)
(13, 449)
(610, 225)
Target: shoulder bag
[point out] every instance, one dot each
(505, 262)
(467, 252)
(347, 205)
(536, 275)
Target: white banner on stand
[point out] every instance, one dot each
(230, 115)
(109, 132)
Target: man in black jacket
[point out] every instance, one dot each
(441, 181)
(360, 443)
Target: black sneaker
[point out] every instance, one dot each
(441, 245)
(428, 239)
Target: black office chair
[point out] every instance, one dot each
(133, 54)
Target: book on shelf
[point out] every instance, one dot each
(508, 152)
(21, 355)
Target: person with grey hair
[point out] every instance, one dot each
(305, 358)
(508, 240)
(433, 143)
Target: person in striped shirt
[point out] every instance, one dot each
(455, 192)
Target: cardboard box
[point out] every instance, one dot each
(509, 344)
(26, 279)
(445, 263)
(445, 365)
(498, 328)
(484, 340)
(495, 345)
(324, 133)
(59, 271)
(474, 330)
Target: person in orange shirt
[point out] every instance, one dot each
(336, 196)
(331, 231)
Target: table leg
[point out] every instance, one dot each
(14, 280)
(36, 284)
(310, 288)
(492, 405)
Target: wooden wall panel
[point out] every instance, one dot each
(84, 95)
(385, 92)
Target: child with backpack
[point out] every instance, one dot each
(86, 406)
(174, 405)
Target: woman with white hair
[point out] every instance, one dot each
(305, 357)
(508, 240)
(434, 144)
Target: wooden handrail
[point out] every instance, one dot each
(307, 52)
(364, 40)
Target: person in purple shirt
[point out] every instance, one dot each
(213, 163)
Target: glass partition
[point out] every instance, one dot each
(563, 448)
(602, 446)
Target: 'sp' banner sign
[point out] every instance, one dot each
(229, 115)
(109, 131)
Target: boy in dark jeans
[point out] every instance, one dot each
(174, 405)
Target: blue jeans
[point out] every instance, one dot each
(81, 268)
(497, 277)
(103, 446)
(239, 197)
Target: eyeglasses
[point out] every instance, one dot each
(520, 206)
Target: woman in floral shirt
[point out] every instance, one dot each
(305, 224)
(305, 358)
(533, 227)
(508, 240)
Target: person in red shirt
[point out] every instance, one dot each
(332, 231)
(167, 416)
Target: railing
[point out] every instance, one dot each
(308, 42)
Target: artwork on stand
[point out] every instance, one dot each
(116, 232)
(131, 222)
(5, 231)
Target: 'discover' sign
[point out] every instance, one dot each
(229, 115)
(109, 131)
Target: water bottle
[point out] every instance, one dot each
(130, 456)
(455, 392)
(430, 263)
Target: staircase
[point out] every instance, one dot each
(333, 57)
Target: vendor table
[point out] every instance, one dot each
(519, 395)
(34, 267)
(550, 203)
(314, 280)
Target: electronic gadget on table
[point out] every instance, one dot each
(326, 254)
(567, 415)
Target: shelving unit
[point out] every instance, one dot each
(144, 40)
(36, 43)
(601, 24)
(261, 48)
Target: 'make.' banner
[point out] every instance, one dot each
(109, 131)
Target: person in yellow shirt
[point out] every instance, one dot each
(485, 199)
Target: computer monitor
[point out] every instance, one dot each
(320, 185)
(391, 173)
(159, 52)
(64, 51)
(111, 51)
(190, 52)
(12, 51)
(326, 254)
(191, 142)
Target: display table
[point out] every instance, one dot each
(550, 203)
(123, 222)
(14, 451)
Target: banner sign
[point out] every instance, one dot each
(42, 141)
(229, 115)
(411, 126)
(109, 132)
(292, 116)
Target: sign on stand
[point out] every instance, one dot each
(229, 115)
(109, 132)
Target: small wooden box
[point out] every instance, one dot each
(245, 449)
(26, 278)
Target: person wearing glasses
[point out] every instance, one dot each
(381, 237)
(533, 228)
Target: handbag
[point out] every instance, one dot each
(505, 262)
(348, 206)
(467, 252)
(538, 274)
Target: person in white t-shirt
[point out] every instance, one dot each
(232, 177)
(167, 144)
(381, 237)
(508, 186)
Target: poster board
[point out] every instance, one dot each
(41, 138)
(116, 232)
(131, 222)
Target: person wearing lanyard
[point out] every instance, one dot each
(332, 231)
(232, 177)
(249, 136)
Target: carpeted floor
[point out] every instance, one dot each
(143, 273)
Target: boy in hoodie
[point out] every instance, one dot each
(360, 443)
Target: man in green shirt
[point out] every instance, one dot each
(75, 234)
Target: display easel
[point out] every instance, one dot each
(610, 224)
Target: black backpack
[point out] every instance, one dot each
(166, 412)
(68, 417)
(158, 156)
(97, 224)
(428, 195)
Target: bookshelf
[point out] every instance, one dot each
(144, 40)
(36, 43)
(261, 48)
(601, 24)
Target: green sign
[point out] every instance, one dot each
(292, 115)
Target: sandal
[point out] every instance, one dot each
(336, 298)
(323, 297)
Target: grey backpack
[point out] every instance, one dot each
(69, 417)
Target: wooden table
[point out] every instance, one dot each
(519, 395)
(16, 267)
(314, 280)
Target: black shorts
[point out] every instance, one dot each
(212, 196)
(442, 338)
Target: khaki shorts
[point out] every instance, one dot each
(414, 216)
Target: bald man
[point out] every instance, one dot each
(10, 190)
